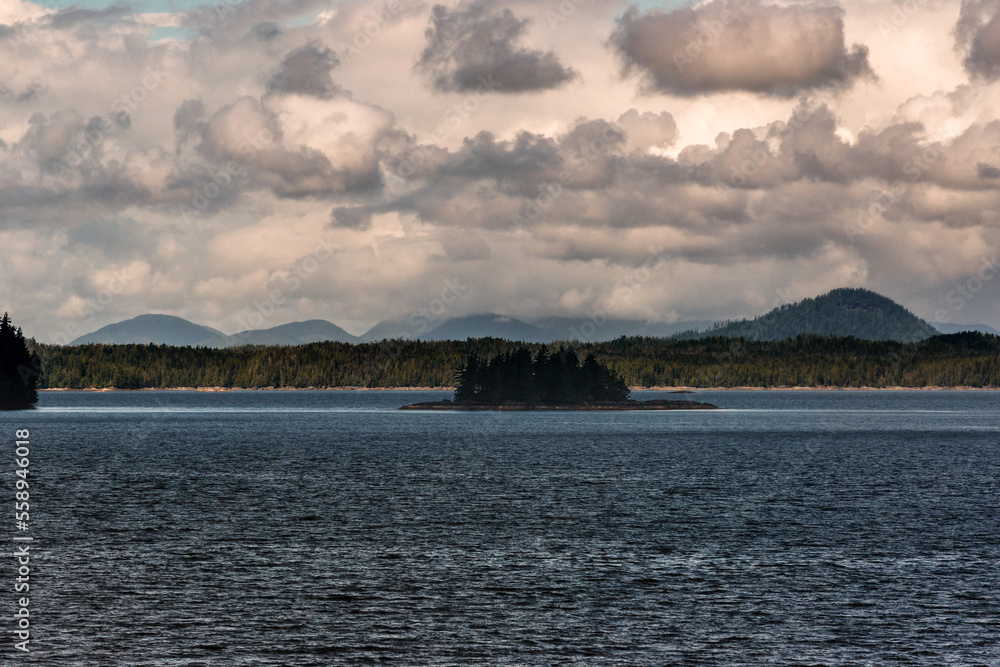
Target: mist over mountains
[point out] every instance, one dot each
(842, 312)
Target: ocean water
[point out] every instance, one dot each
(327, 528)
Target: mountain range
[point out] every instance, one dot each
(842, 312)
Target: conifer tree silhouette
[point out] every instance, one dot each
(19, 369)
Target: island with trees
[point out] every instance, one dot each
(19, 369)
(517, 380)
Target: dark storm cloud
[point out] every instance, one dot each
(786, 190)
(584, 157)
(57, 140)
(247, 134)
(977, 37)
(25, 94)
(265, 31)
(306, 71)
(188, 114)
(517, 167)
(729, 45)
(357, 218)
(984, 170)
(475, 47)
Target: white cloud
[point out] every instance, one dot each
(321, 111)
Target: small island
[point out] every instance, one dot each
(518, 381)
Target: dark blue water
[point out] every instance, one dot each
(321, 528)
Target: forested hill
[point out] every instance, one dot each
(843, 312)
(965, 359)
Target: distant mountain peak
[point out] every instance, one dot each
(178, 332)
(845, 311)
(151, 328)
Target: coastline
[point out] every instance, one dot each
(669, 389)
(227, 389)
(597, 406)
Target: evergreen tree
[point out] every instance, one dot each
(965, 359)
(545, 379)
(467, 380)
(522, 376)
(550, 379)
(19, 369)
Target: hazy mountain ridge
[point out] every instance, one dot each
(949, 328)
(853, 312)
(842, 312)
(164, 330)
(293, 333)
(157, 329)
(544, 330)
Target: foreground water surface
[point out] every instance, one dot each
(320, 528)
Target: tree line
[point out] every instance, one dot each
(966, 359)
(546, 379)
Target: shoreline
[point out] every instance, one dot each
(597, 406)
(229, 389)
(658, 388)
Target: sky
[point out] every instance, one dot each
(261, 162)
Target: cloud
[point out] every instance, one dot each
(205, 168)
(464, 246)
(51, 139)
(729, 45)
(475, 47)
(188, 114)
(351, 218)
(266, 31)
(977, 37)
(74, 16)
(984, 170)
(306, 71)
(648, 130)
(252, 135)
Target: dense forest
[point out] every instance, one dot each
(965, 359)
(548, 379)
(19, 369)
(854, 312)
